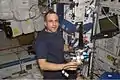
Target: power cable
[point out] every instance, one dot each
(109, 18)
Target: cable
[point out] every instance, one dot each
(64, 72)
(65, 68)
(109, 18)
(45, 7)
(96, 75)
(19, 60)
(30, 17)
(12, 51)
(117, 51)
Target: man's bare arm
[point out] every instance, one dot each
(44, 65)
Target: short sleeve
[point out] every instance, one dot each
(41, 49)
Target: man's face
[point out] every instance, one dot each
(52, 22)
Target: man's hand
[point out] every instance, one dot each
(67, 48)
(72, 65)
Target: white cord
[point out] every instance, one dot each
(109, 18)
(65, 73)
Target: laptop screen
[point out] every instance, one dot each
(109, 24)
(108, 27)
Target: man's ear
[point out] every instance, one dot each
(45, 23)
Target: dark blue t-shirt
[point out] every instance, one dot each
(50, 46)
